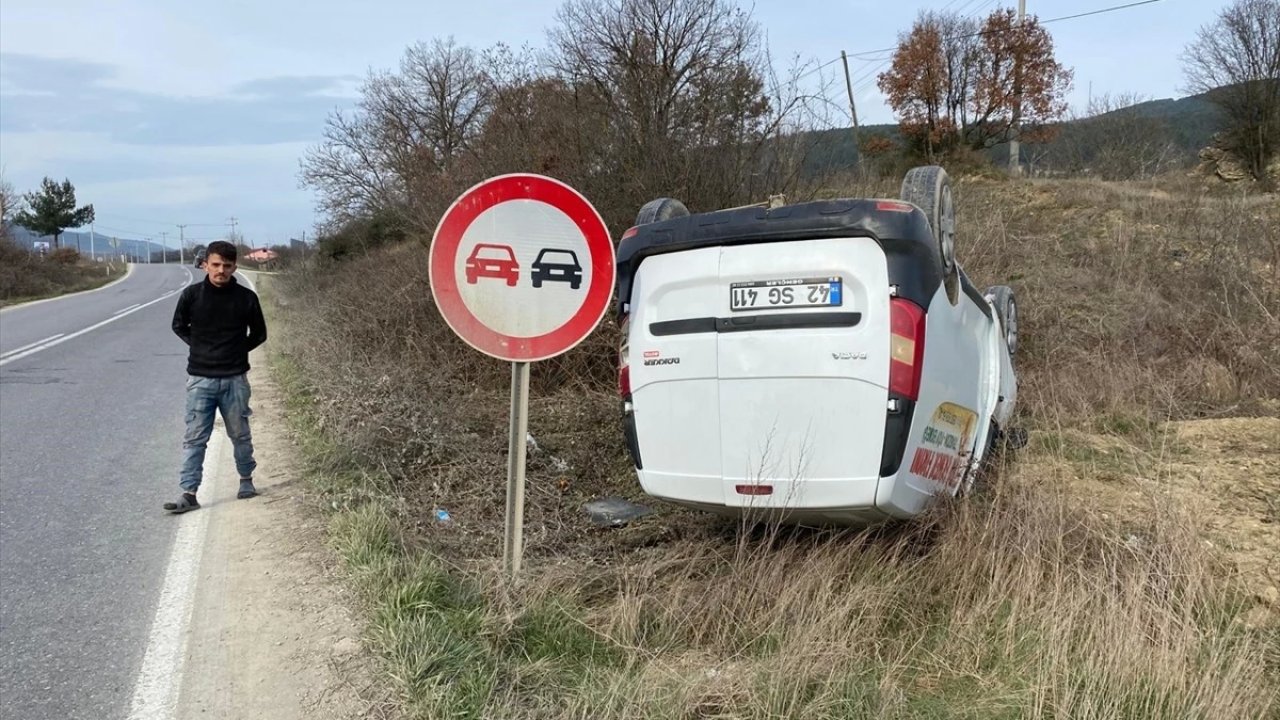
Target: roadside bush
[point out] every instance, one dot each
(65, 256)
(25, 276)
(361, 236)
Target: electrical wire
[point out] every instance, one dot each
(1113, 8)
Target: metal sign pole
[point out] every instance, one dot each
(513, 547)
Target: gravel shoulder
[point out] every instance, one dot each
(272, 632)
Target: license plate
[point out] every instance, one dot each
(785, 294)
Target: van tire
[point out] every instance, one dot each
(928, 188)
(1006, 305)
(659, 210)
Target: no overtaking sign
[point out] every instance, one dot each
(521, 268)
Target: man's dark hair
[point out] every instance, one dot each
(223, 248)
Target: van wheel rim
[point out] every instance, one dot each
(1011, 327)
(947, 230)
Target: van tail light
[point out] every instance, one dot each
(906, 347)
(624, 365)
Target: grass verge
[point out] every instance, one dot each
(1023, 601)
(1014, 604)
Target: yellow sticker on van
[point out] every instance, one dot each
(945, 445)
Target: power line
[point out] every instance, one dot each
(823, 65)
(869, 75)
(121, 230)
(1099, 12)
(1113, 8)
(127, 218)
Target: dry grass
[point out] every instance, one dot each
(1137, 301)
(1139, 306)
(25, 276)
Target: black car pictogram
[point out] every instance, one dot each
(555, 265)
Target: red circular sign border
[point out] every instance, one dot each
(448, 238)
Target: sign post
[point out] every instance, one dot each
(521, 267)
(513, 543)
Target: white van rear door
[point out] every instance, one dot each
(675, 391)
(803, 367)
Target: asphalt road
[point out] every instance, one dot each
(90, 437)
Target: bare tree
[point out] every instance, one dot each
(350, 173)
(633, 99)
(675, 88)
(8, 206)
(408, 144)
(962, 48)
(1236, 60)
(1113, 140)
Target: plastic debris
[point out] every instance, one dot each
(443, 515)
(615, 511)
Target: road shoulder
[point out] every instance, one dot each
(271, 632)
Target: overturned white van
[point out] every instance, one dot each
(825, 363)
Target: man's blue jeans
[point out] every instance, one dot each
(206, 396)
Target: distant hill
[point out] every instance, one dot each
(1191, 120)
(1190, 123)
(132, 248)
(830, 150)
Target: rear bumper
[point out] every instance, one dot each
(840, 501)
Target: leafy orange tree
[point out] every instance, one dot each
(952, 84)
(916, 86)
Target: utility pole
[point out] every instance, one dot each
(181, 241)
(91, 250)
(1015, 149)
(853, 108)
(164, 247)
(232, 221)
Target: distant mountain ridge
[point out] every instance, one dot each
(83, 240)
(1190, 121)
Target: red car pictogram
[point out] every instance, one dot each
(493, 261)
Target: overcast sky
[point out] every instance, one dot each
(165, 113)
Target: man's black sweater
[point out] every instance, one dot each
(221, 324)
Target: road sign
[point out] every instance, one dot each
(522, 267)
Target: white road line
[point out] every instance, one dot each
(155, 693)
(28, 347)
(245, 274)
(126, 309)
(78, 333)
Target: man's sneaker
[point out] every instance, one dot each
(186, 502)
(246, 489)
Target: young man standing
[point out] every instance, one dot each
(221, 321)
